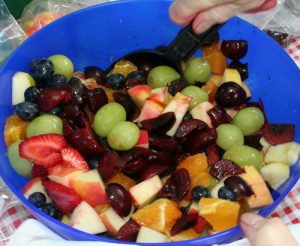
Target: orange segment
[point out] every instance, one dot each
(160, 215)
(197, 167)
(211, 86)
(217, 62)
(123, 180)
(15, 129)
(185, 235)
(215, 57)
(124, 67)
(220, 214)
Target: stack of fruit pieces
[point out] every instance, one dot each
(143, 153)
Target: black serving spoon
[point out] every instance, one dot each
(180, 49)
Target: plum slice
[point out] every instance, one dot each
(279, 133)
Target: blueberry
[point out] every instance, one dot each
(55, 111)
(198, 192)
(115, 81)
(52, 211)
(27, 110)
(57, 80)
(38, 199)
(32, 94)
(93, 163)
(227, 194)
(137, 75)
(42, 70)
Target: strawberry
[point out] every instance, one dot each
(72, 158)
(43, 149)
(64, 198)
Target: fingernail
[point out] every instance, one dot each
(251, 219)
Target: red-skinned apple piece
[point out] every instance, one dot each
(85, 218)
(62, 174)
(179, 105)
(139, 94)
(112, 221)
(150, 110)
(35, 185)
(160, 95)
(199, 112)
(143, 193)
(90, 187)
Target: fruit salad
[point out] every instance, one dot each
(145, 153)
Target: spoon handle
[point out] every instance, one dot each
(187, 42)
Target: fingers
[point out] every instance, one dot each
(268, 4)
(209, 12)
(260, 231)
(183, 11)
(212, 16)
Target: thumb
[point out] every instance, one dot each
(263, 232)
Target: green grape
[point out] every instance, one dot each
(123, 136)
(62, 65)
(19, 164)
(249, 120)
(198, 94)
(244, 155)
(229, 136)
(197, 70)
(107, 117)
(45, 124)
(161, 76)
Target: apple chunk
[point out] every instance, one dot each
(86, 219)
(148, 235)
(35, 185)
(160, 95)
(63, 175)
(90, 187)
(151, 109)
(143, 193)
(112, 221)
(284, 153)
(179, 105)
(199, 112)
(139, 94)
(275, 173)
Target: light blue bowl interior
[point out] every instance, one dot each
(101, 34)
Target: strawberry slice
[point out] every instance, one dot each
(43, 149)
(64, 198)
(72, 158)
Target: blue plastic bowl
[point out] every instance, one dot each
(97, 35)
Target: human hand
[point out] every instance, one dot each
(265, 232)
(208, 12)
